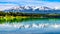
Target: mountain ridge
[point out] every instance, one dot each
(33, 9)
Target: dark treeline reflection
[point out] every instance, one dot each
(15, 20)
(25, 20)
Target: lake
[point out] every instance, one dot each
(31, 26)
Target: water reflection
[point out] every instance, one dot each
(14, 20)
(31, 20)
(39, 27)
(32, 25)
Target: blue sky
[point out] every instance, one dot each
(49, 3)
(29, 2)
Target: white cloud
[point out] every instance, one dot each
(29, 3)
(6, 6)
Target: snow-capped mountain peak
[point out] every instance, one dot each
(30, 7)
(27, 8)
(57, 8)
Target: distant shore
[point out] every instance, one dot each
(26, 15)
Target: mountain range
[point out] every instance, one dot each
(33, 9)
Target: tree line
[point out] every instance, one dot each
(2, 13)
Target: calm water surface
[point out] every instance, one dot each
(31, 26)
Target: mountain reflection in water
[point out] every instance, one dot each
(31, 25)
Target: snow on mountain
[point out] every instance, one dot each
(32, 7)
(27, 8)
(57, 8)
